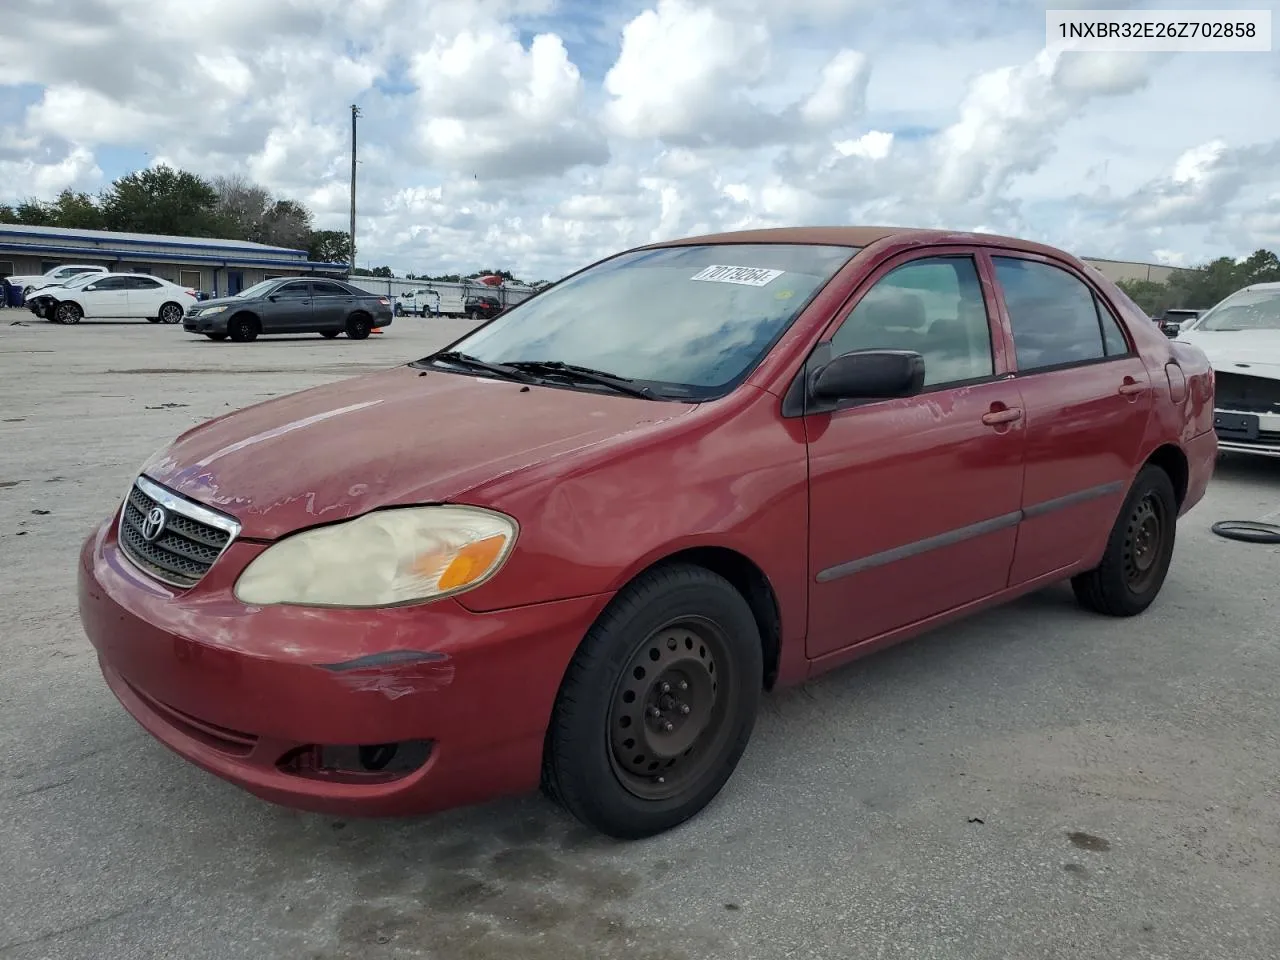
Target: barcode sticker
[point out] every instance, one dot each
(746, 276)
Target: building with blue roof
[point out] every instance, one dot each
(217, 267)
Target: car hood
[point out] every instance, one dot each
(1252, 352)
(225, 302)
(395, 437)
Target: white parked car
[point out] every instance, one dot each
(58, 275)
(1241, 338)
(113, 295)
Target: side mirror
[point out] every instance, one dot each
(273, 298)
(870, 375)
(1171, 330)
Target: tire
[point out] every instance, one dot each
(68, 313)
(171, 313)
(1139, 550)
(243, 328)
(216, 336)
(329, 334)
(678, 624)
(359, 326)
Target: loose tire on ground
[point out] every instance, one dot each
(359, 326)
(657, 705)
(1139, 550)
(243, 328)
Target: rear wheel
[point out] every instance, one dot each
(657, 705)
(243, 328)
(68, 313)
(359, 326)
(171, 313)
(1139, 550)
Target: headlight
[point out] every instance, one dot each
(388, 557)
(210, 311)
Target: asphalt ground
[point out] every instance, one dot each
(1033, 783)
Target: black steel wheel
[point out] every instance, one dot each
(171, 313)
(1138, 552)
(243, 328)
(68, 313)
(657, 705)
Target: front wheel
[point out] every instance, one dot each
(1139, 550)
(657, 706)
(68, 313)
(243, 329)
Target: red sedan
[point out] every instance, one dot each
(574, 547)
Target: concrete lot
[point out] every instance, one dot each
(1035, 783)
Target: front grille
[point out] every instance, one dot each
(1239, 391)
(191, 538)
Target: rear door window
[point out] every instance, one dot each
(1057, 320)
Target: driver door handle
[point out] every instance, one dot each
(1131, 387)
(997, 417)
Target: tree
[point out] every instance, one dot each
(329, 246)
(246, 211)
(77, 211)
(1154, 298)
(164, 201)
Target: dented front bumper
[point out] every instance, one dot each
(260, 696)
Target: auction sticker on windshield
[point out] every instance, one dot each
(747, 276)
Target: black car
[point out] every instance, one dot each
(482, 307)
(290, 305)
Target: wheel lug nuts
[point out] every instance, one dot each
(665, 687)
(684, 684)
(668, 726)
(684, 709)
(655, 712)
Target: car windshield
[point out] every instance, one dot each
(79, 280)
(689, 321)
(257, 290)
(1245, 310)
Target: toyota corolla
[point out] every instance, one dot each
(575, 547)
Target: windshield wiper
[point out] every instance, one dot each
(459, 359)
(571, 371)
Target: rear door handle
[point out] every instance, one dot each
(997, 417)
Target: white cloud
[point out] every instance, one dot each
(540, 135)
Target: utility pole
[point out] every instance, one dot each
(355, 112)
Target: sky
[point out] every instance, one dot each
(540, 135)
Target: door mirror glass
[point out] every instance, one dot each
(870, 375)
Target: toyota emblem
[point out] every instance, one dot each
(153, 524)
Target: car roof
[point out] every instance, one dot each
(865, 236)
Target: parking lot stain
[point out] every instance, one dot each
(1087, 841)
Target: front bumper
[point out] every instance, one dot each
(1267, 441)
(217, 323)
(238, 690)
